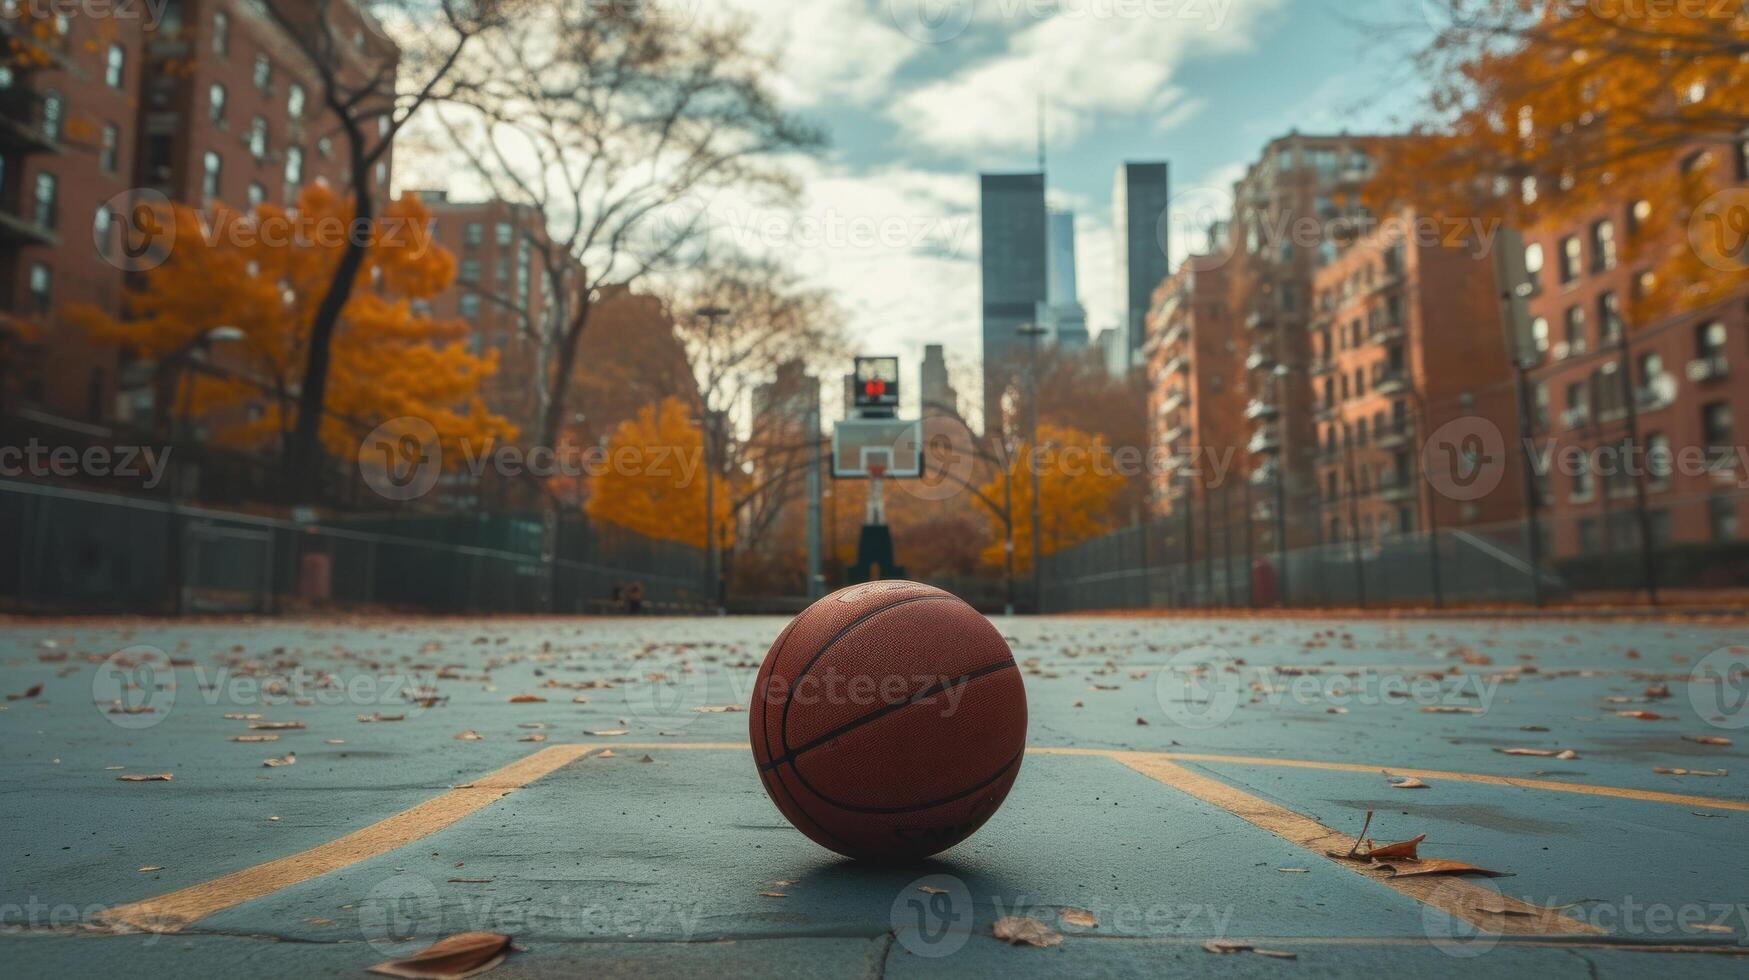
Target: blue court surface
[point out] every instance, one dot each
(1189, 792)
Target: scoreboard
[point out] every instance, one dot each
(877, 387)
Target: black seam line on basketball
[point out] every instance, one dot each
(943, 686)
(914, 807)
(783, 718)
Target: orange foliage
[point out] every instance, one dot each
(1079, 485)
(1553, 112)
(652, 480)
(264, 274)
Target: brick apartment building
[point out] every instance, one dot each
(1406, 337)
(213, 101)
(501, 291)
(68, 137)
(1195, 381)
(1290, 211)
(1683, 387)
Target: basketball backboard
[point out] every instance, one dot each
(891, 445)
(877, 386)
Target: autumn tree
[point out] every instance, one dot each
(1078, 483)
(619, 123)
(652, 478)
(1545, 110)
(261, 275)
(368, 88)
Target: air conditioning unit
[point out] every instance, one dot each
(1708, 368)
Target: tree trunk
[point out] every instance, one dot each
(561, 374)
(305, 458)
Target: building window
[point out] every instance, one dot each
(1578, 404)
(472, 234)
(215, 112)
(113, 65)
(1743, 158)
(1722, 516)
(258, 137)
(1608, 318)
(1572, 255)
(1715, 426)
(1603, 246)
(1588, 543)
(41, 287)
(1539, 334)
(109, 150)
(263, 74)
(212, 169)
(1660, 462)
(1638, 214)
(294, 165)
(470, 271)
(1709, 340)
(1575, 336)
(470, 306)
(505, 234)
(45, 202)
(54, 115)
(1581, 489)
(257, 195)
(102, 230)
(294, 101)
(1539, 407)
(221, 33)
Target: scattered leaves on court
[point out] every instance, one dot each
(468, 736)
(151, 867)
(1407, 782)
(527, 699)
(30, 692)
(461, 955)
(605, 732)
(289, 759)
(717, 709)
(146, 777)
(1018, 930)
(276, 726)
(1706, 739)
(1079, 917)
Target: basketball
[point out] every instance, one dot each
(888, 721)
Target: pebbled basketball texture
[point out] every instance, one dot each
(888, 721)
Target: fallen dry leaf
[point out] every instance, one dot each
(155, 777)
(31, 692)
(1407, 782)
(240, 716)
(1277, 954)
(290, 758)
(527, 699)
(1693, 772)
(461, 955)
(717, 709)
(1016, 930)
(1706, 740)
(1641, 715)
(1549, 753)
(1222, 947)
(1449, 709)
(773, 895)
(254, 738)
(1079, 917)
(379, 716)
(276, 726)
(1401, 849)
(931, 890)
(1439, 866)
(468, 736)
(151, 867)
(606, 731)
(532, 738)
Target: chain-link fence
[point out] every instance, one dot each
(75, 550)
(1211, 556)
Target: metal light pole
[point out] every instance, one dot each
(713, 553)
(1033, 332)
(1280, 372)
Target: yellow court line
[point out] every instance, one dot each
(175, 911)
(1481, 907)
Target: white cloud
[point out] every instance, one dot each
(826, 49)
(1087, 57)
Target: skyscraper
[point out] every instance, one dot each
(1014, 274)
(934, 388)
(1139, 202)
(1067, 320)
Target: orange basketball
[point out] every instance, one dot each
(888, 721)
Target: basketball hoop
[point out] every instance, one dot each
(877, 470)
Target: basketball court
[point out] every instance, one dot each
(1185, 783)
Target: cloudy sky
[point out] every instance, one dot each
(922, 95)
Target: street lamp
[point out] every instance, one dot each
(712, 315)
(1034, 333)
